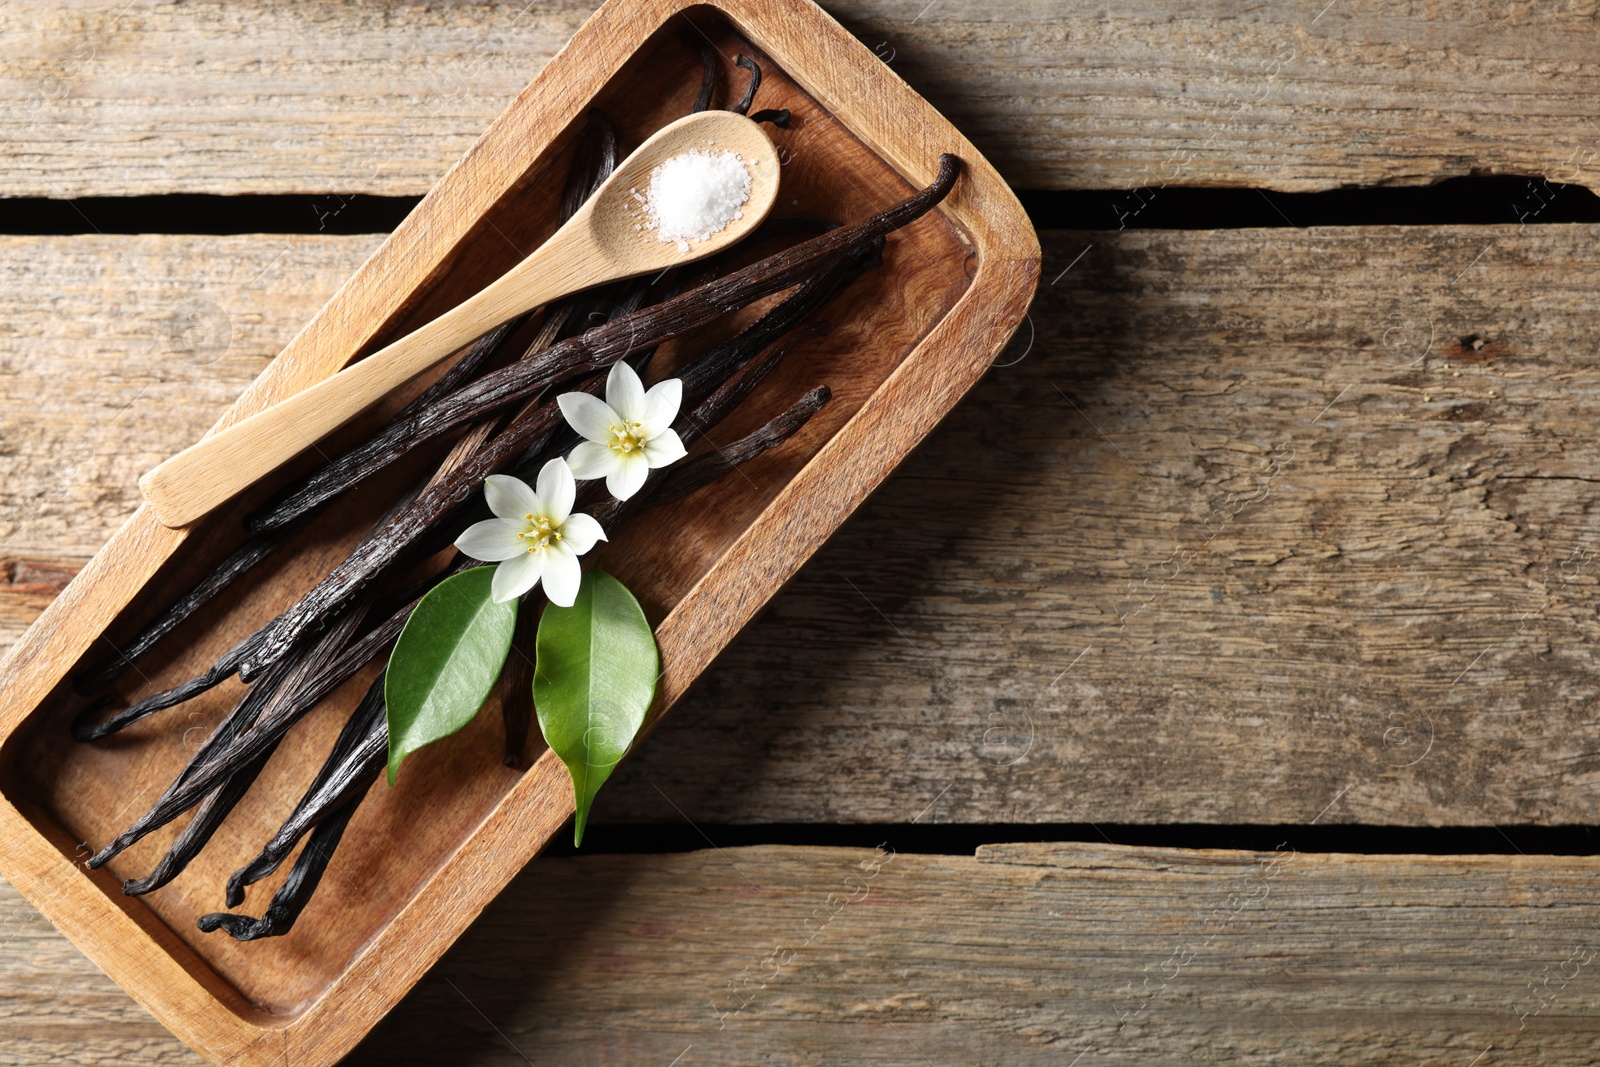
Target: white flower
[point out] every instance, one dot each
(628, 433)
(534, 535)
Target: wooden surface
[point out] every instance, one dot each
(1023, 954)
(102, 97)
(1389, 601)
(954, 285)
(1162, 617)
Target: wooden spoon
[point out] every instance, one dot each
(609, 238)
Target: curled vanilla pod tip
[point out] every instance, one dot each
(304, 877)
(708, 69)
(743, 106)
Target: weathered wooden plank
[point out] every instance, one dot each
(1265, 526)
(1024, 954)
(118, 349)
(100, 97)
(1264, 523)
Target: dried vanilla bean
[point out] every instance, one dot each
(304, 877)
(778, 116)
(218, 804)
(714, 367)
(464, 369)
(102, 674)
(84, 728)
(740, 384)
(708, 69)
(358, 756)
(355, 466)
(235, 772)
(239, 719)
(298, 500)
(208, 816)
(392, 443)
(743, 106)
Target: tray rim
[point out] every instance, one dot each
(877, 106)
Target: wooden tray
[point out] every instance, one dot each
(420, 861)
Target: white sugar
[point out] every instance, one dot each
(695, 194)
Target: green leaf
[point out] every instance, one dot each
(593, 681)
(446, 662)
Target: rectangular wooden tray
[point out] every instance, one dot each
(422, 860)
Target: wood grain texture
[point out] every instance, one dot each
(1023, 954)
(102, 98)
(1329, 548)
(119, 349)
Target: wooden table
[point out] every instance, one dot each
(1255, 534)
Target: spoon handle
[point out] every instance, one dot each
(217, 467)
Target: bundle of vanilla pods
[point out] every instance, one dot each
(504, 420)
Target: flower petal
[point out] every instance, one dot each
(493, 540)
(556, 490)
(625, 392)
(628, 476)
(509, 498)
(666, 447)
(590, 459)
(580, 532)
(516, 576)
(561, 576)
(661, 405)
(589, 415)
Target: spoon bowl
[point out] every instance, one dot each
(609, 238)
(619, 227)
